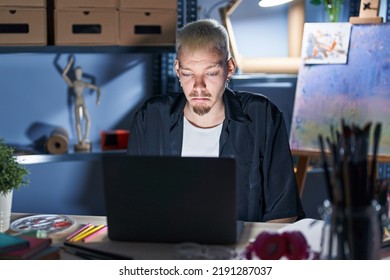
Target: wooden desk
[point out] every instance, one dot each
(145, 251)
(167, 251)
(158, 251)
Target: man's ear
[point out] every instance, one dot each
(231, 67)
(176, 67)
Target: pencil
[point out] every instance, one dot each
(94, 234)
(89, 232)
(77, 231)
(90, 227)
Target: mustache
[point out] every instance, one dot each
(201, 94)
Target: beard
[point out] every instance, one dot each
(201, 109)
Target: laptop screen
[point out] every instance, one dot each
(170, 199)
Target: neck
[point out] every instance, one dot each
(209, 120)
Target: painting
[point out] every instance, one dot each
(358, 91)
(326, 43)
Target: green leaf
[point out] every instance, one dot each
(315, 2)
(12, 174)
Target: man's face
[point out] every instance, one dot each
(203, 75)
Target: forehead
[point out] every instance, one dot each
(199, 58)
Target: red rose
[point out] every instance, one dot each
(269, 246)
(297, 247)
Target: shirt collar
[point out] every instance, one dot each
(233, 109)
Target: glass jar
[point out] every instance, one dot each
(351, 234)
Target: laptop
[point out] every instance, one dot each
(170, 199)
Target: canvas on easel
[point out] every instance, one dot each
(358, 91)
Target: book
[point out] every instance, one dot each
(49, 253)
(89, 253)
(10, 243)
(36, 245)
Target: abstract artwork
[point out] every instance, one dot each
(325, 43)
(358, 91)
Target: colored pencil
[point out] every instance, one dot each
(93, 235)
(89, 232)
(78, 231)
(90, 227)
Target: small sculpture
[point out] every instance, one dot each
(81, 111)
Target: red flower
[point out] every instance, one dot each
(269, 246)
(297, 247)
(274, 245)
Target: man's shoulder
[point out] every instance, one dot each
(162, 99)
(161, 102)
(257, 100)
(162, 105)
(248, 96)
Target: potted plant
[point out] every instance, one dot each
(12, 176)
(332, 8)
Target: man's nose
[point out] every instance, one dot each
(199, 85)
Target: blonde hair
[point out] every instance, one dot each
(201, 34)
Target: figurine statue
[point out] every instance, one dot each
(81, 111)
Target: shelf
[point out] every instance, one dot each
(50, 158)
(86, 49)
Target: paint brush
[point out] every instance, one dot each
(377, 133)
(326, 170)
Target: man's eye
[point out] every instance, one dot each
(186, 74)
(212, 74)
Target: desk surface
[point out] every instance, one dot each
(163, 251)
(138, 250)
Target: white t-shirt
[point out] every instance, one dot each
(201, 142)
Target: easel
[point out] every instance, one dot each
(369, 10)
(368, 14)
(304, 160)
(302, 166)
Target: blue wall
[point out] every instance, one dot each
(62, 187)
(35, 97)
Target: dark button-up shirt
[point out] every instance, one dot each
(253, 132)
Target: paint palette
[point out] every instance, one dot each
(49, 223)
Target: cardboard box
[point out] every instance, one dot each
(86, 3)
(148, 4)
(85, 27)
(24, 3)
(21, 26)
(151, 27)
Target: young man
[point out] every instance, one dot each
(211, 120)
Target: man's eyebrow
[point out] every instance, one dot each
(207, 68)
(214, 66)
